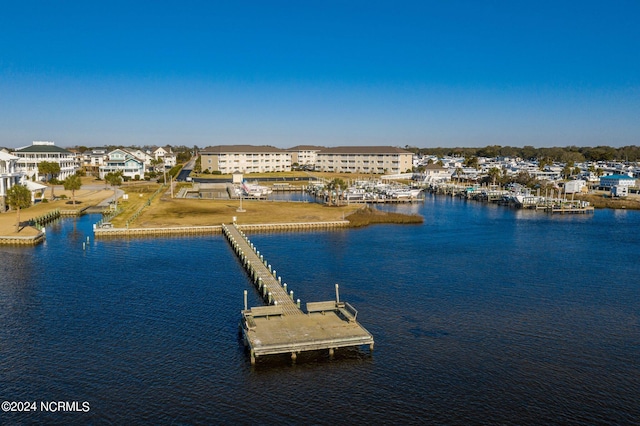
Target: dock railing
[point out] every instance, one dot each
(344, 309)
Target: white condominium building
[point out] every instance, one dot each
(364, 159)
(304, 155)
(227, 159)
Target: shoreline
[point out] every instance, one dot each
(164, 216)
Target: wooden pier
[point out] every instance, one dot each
(282, 327)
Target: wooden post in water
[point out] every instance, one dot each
(246, 306)
(337, 295)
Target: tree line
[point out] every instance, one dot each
(556, 154)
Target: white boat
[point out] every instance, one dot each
(405, 193)
(255, 190)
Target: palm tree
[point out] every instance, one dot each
(337, 183)
(494, 173)
(18, 197)
(72, 183)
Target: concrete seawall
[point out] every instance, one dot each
(22, 241)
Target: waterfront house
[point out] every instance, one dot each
(124, 161)
(617, 180)
(434, 173)
(9, 176)
(574, 186)
(29, 158)
(619, 191)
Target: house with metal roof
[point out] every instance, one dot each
(617, 180)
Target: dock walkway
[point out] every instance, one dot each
(262, 274)
(282, 327)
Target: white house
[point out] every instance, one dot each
(29, 158)
(141, 155)
(619, 191)
(574, 186)
(434, 173)
(95, 157)
(9, 176)
(166, 155)
(122, 160)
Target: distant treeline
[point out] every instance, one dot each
(557, 154)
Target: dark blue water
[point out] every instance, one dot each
(481, 315)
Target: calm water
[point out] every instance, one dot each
(482, 314)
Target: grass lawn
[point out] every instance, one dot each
(167, 212)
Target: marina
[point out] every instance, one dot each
(282, 327)
(518, 198)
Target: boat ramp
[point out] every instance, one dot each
(282, 327)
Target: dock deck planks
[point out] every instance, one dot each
(282, 327)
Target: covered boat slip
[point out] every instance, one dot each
(282, 327)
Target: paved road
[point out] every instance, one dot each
(186, 170)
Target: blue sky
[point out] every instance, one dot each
(283, 73)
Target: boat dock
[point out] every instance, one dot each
(282, 327)
(548, 203)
